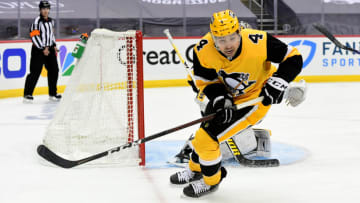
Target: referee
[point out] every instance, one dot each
(43, 52)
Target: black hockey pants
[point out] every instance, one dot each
(38, 59)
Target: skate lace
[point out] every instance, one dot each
(200, 186)
(185, 175)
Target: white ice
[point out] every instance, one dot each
(327, 125)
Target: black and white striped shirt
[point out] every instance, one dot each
(42, 32)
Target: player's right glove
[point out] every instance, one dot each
(273, 90)
(223, 106)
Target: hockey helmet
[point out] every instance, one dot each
(224, 23)
(44, 4)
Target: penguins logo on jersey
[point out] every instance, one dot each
(236, 82)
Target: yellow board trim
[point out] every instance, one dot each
(183, 83)
(20, 92)
(330, 78)
(166, 83)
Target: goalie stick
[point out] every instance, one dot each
(332, 38)
(50, 156)
(249, 162)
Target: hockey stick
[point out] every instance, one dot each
(49, 155)
(187, 68)
(249, 162)
(332, 38)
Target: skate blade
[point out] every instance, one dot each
(26, 101)
(178, 185)
(206, 196)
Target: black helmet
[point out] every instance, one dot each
(44, 4)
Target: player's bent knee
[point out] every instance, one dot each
(205, 146)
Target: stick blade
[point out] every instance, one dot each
(50, 156)
(260, 163)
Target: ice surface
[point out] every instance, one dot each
(327, 125)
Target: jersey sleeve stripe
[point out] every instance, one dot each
(291, 51)
(35, 35)
(204, 79)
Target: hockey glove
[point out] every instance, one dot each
(273, 90)
(296, 93)
(223, 107)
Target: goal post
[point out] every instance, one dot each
(103, 104)
(140, 92)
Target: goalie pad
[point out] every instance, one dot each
(245, 140)
(251, 143)
(263, 148)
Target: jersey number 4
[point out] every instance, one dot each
(255, 37)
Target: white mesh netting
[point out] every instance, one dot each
(99, 107)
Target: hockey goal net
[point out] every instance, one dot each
(102, 106)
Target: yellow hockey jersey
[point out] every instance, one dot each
(245, 74)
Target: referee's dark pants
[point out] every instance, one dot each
(38, 59)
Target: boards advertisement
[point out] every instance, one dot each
(323, 61)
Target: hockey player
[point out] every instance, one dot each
(294, 95)
(263, 147)
(232, 66)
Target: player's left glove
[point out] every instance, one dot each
(223, 107)
(273, 90)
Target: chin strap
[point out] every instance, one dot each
(217, 47)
